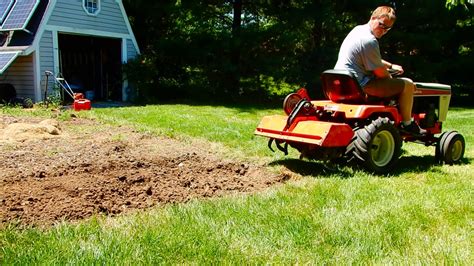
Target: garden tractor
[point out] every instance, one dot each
(350, 126)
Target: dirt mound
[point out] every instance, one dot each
(53, 172)
(26, 131)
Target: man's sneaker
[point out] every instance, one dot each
(412, 128)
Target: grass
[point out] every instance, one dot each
(422, 214)
(231, 128)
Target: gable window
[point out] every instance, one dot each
(92, 7)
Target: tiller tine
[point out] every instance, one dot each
(284, 148)
(270, 141)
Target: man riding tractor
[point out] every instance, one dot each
(360, 122)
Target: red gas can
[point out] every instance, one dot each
(81, 104)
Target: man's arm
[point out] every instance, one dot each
(387, 64)
(382, 72)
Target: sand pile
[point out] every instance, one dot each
(18, 131)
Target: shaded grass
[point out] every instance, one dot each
(421, 214)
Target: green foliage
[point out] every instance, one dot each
(434, 50)
(55, 98)
(202, 49)
(276, 89)
(453, 3)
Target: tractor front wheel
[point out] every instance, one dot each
(376, 146)
(450, 147)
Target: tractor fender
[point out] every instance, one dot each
(360, 111)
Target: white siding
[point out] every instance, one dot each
(20, 75)
(70, 13)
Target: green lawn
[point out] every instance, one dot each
(422, 214)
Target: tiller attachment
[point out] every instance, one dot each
(302, 128)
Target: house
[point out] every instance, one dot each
(86, 41)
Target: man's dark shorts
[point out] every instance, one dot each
(384, 88)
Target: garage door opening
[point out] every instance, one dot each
(92, 65)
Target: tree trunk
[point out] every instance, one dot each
(234, 73)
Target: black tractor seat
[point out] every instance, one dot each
(341, 86)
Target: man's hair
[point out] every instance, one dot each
(384, 11)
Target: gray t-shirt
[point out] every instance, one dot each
(360, 54)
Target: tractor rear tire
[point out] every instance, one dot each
(376, 146)
(450, 148)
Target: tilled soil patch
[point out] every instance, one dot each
(53, 171)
